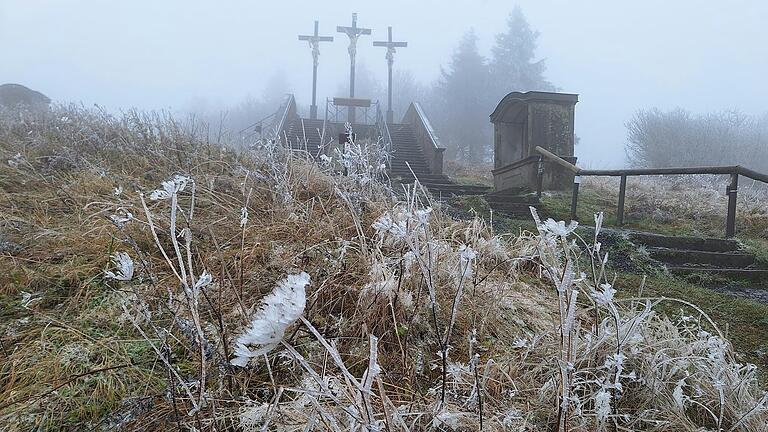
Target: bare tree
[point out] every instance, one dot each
(678, 138)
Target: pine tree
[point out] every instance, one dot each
(461, 98)
(514, 66)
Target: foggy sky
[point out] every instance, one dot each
(619, 56)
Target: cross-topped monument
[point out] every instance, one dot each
(353, 32)
(390, 45)
(314, 44)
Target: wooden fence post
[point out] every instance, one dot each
(575, 197)
(622, 193)
(539, 177)
(731, 190)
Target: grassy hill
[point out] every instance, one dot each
(151, 278)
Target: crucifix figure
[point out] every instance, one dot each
(390, 45)
(314, 44)
(353, 33)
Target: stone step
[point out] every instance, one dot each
(511, 192)
(401, 164)
(405, 170)
(520, 210)
(521, 199)
(684, 243)
(677, 257)
(425, 175)
(748, 275)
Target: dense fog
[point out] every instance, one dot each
(234, 61)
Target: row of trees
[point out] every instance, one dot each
(658, 138)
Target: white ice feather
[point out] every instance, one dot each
(281, 308)
(170, 187)
(124, 265)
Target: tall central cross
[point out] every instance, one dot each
(353, 33)
(314, 44)
(390, 45)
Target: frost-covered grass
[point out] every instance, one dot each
(678, 205)
(153, 280)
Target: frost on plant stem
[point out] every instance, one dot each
(119, 220)
(204, 280)
(281, 308)
(124, 267)
(243, 217)
(558, 229)
(466, 256)
(16, 160)
(170, 188)
(604, 297)
(602, 404)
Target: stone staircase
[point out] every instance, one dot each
(689, 256)
(407, 163)
(304, 134)
(515, 202)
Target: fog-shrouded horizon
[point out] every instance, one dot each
(618, 56)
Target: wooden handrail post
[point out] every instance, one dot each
(731, 190)
(558, 160)
(575, 197)
(622, 193)
(539, 177)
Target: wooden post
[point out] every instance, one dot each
(731, 190)
(539, 177)
(575, 197)
(622, 193)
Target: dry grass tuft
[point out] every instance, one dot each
(412, 320)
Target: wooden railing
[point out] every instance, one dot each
(734, 171)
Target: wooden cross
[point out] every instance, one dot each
(314, 43)
(353, 32)
(390, 45)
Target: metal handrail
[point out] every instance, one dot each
(259, 123)
(290, 101)
(322, 149)
(383, 128)
(731, 190)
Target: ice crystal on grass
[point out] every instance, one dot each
(16, 160)
(602, 404)
(604, 297)
(169, 188)
(119, 220)
(28, 299)
(243, 217)
(559, 228)
(466, 256)
(448, 420)
(281, 308)
(124, 264)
